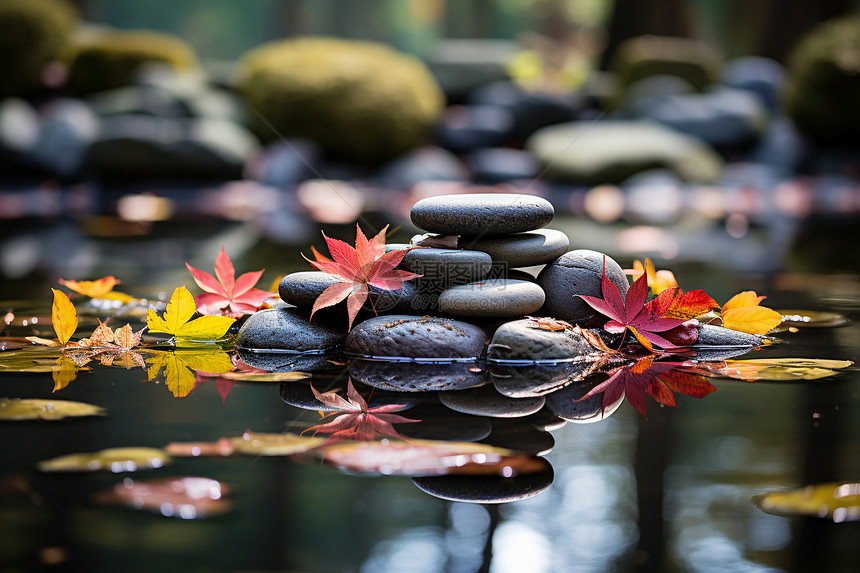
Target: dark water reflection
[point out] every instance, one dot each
(615, 491)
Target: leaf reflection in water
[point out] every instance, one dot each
(180, 367)
(183, 498)
(771, 369)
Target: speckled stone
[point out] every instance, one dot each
(564, 402)
(304, 287)
(524, 340)
(492, 299)
(486, 401)
(711, 335)
(489, 213)
(407, 336)
(448, 266)
(415, 377)
(521, 249)
(486, 489)
(288, 329)
(578, 272)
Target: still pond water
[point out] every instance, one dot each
(672, 492)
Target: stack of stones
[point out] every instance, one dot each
(478, 264)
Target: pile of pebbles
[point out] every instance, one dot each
(478, 263)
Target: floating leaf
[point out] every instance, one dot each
(220, 448)
(101, 288)
(177, 319)
(115, 460)
(179, 367)
(265, 376)
(228, 295)
(812, 318)
(33, 409)
(184, 498)
(690, 304)
(64, 317)
(773, 369)
(274, 444)
(418, 457)
(839, 501)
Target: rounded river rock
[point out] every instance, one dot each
(447, 266)
(521, 249)
(287, 329)
(484, 213)
(492, 299)
(524, 340)
(402, 336)
(574, 273)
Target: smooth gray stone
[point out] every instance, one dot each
(304, 287)
(414, 377)
(287, 329)
(521, 249)
(404, 336)
(488, 213)
(447, 266)
(711, 335)
(545, 420)
(578, 272)
(612, 151)
(523, 340)
(486, 401)
(492, 299)
(564, 403)
(486, 489)
(537, 379)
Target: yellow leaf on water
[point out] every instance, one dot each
(177, 319)
(839, 501)
(751, 319)
(64, 372)
(180, 367)
(41, 341)
(64, 317)
(101, 288)
(33, 409)
(777, 369)
(742, 299)
(113, 459)
(274, 444)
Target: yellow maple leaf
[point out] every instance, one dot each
(64, 317)
(101, 288)
(180, 367)
(743, 312)
(177, 319)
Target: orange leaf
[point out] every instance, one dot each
(740, 300)
(92, 289)
(691, 304)
(64, 317)
(658, 281)
(751, 319)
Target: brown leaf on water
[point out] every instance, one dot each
(286, 444)
(183, 497)
(33, 409)
(115, 460)
(837, 501)
(223, 447)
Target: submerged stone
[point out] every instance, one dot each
(288, 329)
(521, 249)
(492, 298)
(404, 336)
(489, 213)
(574, 273)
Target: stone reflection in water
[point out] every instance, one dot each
(417, 377)
(537, 379)
(487, 489)
(568, 403)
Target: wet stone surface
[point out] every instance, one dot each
(521, 249)
(288, 329)
(492, 299)
(486, 401)
(523, 340)
(407, 336)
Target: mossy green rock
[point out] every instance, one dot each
(823, 86)
(359, 100)
(612, 151)
(33, 33)
(646, 56)
(106, 59)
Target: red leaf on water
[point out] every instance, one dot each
(226, 294)
(353, 420)
(359, 268)
(631, 312)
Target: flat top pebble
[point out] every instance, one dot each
(484, 213)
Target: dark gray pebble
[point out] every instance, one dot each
(493, 298)
(486, 489)
(486, 401)
(521, 249)
(448, 266)
(403, 336)
(288, 329)
(415, 377)
(488, 213)
(524, 340)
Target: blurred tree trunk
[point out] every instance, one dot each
(631, 18)
(786, 21)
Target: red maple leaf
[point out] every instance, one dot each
(656, 379)
(353, 420)
(632, 312)
(359, 268)
(228, 295)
